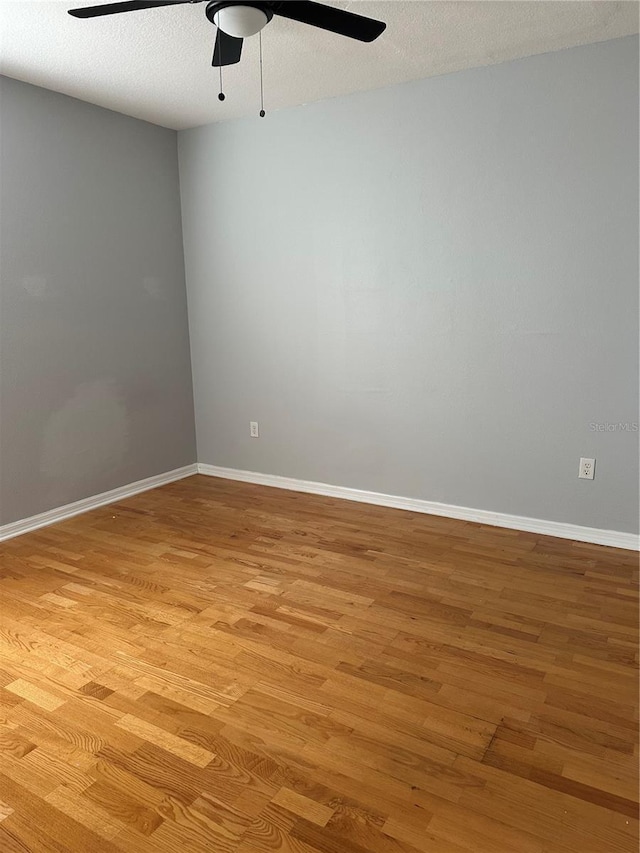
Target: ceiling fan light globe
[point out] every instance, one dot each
(240, 21)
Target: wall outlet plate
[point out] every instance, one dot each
(253, 429)
(587, 469)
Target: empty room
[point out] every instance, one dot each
(319, 406)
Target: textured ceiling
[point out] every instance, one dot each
(156, 64)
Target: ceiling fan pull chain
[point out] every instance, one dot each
(262, 113)
(221, 95)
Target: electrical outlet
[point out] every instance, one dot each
(253, 429)
(587, 469)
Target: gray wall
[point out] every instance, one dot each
(95, 376)
(428, 291)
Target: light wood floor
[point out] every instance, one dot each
(215, 666)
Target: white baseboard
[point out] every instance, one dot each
(594, 535)
(25, 525)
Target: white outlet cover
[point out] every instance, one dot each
(587, 468)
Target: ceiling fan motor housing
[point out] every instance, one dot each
(239, 20)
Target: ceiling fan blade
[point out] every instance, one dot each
(227, 50)
(127, 6)
(329, 18)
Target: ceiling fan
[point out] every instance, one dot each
(239, 19)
